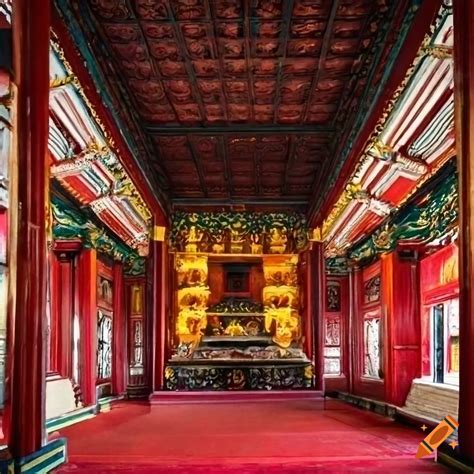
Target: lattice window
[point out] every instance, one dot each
(136, 362)
(104, 345)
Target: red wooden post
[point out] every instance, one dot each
(354, 294)
(317, 288)
(464, 107)
(24, 407)
(402, 323)
(119, 353)
(157, 343)
(306, 303)
(87, 303)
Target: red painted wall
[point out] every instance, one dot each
(439, 281)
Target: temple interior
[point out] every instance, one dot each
(254, 216)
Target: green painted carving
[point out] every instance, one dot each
(70, 223)
(219, 226)
(135, 266)
(336, 265)
(431, 216)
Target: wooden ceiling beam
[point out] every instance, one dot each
(322, 57)
(238, 128)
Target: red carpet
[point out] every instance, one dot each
(267, 437)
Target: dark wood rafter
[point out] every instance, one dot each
(239, 128)
(258, 171)
(222, 144)
(289, 162)
(284, 35)
(350, 88)
(198, 165)
(323, 54)
(220, 58)
(187, 64)
(247, 36)
(156, 71)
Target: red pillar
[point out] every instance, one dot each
(306, 303)
(464, 106)
(87, 304)
(119, 353)
(158, 341)
(401, 314)
(24, 408)
(317, 289)
(352, 327)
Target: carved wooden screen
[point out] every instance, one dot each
(136, 331)
(372, 341)
(332, 329)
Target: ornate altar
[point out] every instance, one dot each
(237, 322)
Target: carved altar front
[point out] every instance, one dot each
(250, 337)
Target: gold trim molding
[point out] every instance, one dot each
(158, 233)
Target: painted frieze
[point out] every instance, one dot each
(238, 232)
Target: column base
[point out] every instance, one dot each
(48, 458)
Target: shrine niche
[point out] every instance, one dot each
(238, 324)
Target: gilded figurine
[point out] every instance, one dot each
(193, 238)
(278, 240)
(219, 245)
(236, 241)
(255, 246)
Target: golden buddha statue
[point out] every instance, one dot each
(278, 240)
(192, 240)
(255, 246)
(218, 246)
(236, 241)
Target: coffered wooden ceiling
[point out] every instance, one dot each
(231, 101)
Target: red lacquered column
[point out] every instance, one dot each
(317, 279)
(306, 303)
(87, 304)
(464, 107)
(24, 408)
(119, 353)
(157, 343)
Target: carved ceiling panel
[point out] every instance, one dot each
(244, 99)
(205, 62)
(242, 165)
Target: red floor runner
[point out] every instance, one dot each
(268, 437)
